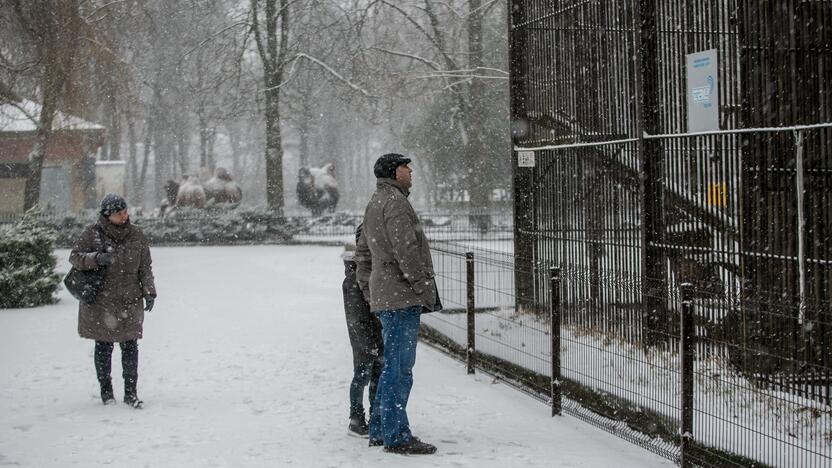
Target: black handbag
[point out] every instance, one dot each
(84, 284)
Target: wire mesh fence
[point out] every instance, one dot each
(734, 415)
(474, 228)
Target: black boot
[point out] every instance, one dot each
(130, 396)
(107, 396)
(414, 446)
(358, 425)
(103, 353)
(130, 369)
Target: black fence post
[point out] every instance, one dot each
(651, 152)
(554, 332)
(469, 352)
(687, 333)
(523, 184)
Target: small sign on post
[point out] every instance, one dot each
(703, 91)
(525, 159)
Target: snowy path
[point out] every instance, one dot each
(246, 363)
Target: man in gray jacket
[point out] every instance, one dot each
(395, 273)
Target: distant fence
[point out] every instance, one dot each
(478, 227)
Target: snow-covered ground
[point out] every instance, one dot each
(246, 362)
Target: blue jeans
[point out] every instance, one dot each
(388, 419)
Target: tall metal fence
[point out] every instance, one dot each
(614, 190)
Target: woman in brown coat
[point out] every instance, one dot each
(117, 313)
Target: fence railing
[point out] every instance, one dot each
(689, 399)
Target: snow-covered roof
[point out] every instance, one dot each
(21, 116)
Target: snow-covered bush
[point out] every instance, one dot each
(27, 266)
(218, 227)
(193, 226)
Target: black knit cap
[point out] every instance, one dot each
(112, 203)
(385, 166)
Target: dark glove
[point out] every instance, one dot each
(104, 258)
(148, 303)
(419, 287)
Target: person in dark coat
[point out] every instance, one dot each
(117, 314)
(366, 341)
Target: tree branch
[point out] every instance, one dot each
(88, 18)
(255, 27)
(284, 32)
(436, 41)
(440, 39)
(212, 36)
(21, 17)
(329, 69)
(427, 62)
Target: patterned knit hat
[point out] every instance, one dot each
(112, 203)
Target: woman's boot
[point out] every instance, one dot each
(130, 370)
(107, 396)
(130, 396)
(103, 353)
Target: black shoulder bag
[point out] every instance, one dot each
(84, 284)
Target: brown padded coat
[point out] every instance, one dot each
(118, 311)
(395, 269)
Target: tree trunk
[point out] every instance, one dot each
(207, 135)
(141, 186)
(114, 132)
(31, 195)
(184, 148)
(274, 54)
(57, 38)
(274, 152)
(479, 179)
(161, 147)
(132, 151)
(212, 138)
(203, 139)
(234, 142)
(305, 121)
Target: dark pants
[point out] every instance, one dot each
(366, 341)
(129, 362)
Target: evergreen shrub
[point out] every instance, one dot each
(27, 266)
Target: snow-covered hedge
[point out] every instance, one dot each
(217, 227)
(191, 226)
(27, 266)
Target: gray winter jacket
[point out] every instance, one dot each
(395, 269)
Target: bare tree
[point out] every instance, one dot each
(347, 76)
(273, 48)
(53, 29)
(446, 42)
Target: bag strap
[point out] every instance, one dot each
(102, 237)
